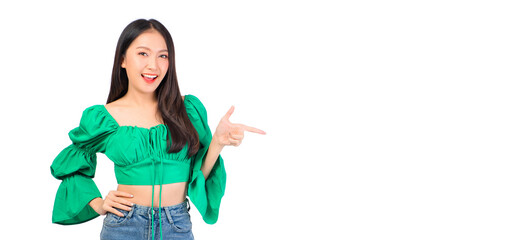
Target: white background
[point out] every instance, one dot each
(384, 119)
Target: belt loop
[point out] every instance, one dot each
(131, 212)
(169, 215)
(188, 204)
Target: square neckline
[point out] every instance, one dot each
(132, 126)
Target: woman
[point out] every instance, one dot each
(160, 142)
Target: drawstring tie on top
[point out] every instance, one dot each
(153, 185)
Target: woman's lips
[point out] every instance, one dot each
(149, 78)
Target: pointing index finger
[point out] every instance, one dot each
(252, 129)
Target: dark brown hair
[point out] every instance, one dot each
(170, 103)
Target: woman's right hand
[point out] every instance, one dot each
(114, 199)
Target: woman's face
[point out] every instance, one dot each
(146, 61)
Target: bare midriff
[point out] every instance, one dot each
(171, 194)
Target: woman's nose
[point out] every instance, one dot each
(151, 64)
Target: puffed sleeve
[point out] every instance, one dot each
(75, 166)
(205, 194)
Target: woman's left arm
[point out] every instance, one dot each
(227, 133)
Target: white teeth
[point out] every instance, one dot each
(149, 76)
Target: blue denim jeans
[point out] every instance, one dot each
(137, 225)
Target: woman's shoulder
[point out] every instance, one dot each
(96, 116)
(194, 107)
(193, 102)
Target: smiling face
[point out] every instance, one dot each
(146, 61)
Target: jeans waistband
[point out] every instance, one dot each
(147, 211)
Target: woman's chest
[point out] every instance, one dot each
(130, 145)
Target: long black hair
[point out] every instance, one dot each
(170, 103)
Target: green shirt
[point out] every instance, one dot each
(140, 158)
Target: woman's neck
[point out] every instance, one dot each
(141, 100)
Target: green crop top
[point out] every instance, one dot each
(140, 158)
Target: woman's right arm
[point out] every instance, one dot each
(75, 166)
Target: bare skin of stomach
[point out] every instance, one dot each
(171, 194)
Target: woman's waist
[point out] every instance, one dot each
(171, 194)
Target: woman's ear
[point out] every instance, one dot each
(123, 62)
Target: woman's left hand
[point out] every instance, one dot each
(228, 133)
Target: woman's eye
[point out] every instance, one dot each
(163, 56)
(142, 53)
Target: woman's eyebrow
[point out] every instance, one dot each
(162, 50)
